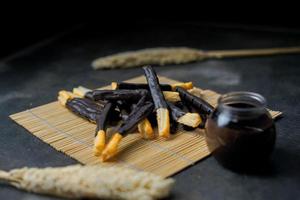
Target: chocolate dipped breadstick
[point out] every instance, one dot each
(111, 95)
(140, 112)
(195, 101)
(82, 107)
(88, 93)
(162, 112)
(163, 87)
(102, 121)
(185, 118)
(144, 127)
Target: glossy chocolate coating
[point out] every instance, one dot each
(140, 112)
(115, 95)
(104, 116)
(197, 102)
(176, 112)
(155, 90)
(135, 86)
(85, 108)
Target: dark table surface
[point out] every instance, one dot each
(32, 77)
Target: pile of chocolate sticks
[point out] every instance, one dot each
(128, 106)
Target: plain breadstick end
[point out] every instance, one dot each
(64, 96)
(112, 147)
(163, 122)
(186, 85)
(190, 119)
(171, 96)
(99, 143)
(196, 91)
(114, 85)
(146, 130)
(80, 91)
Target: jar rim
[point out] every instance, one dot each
(252, 98)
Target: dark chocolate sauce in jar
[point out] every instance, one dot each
(241, 132)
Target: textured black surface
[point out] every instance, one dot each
(33, 78)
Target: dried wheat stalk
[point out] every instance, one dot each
(179, 55)
(160, 56)
(78, 181)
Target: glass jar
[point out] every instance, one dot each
(240, 132)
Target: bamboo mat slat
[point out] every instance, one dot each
(66, 132)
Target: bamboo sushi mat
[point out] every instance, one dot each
(66, 132)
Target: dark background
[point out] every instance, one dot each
(45, 50)
(23, 27)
